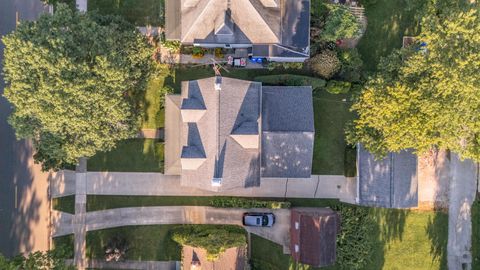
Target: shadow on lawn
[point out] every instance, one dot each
(437, 231)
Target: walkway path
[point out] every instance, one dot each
(151, 133)
(161, 215)
(131, 265)
(462, 194)
(157, 184)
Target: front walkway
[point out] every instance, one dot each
(157, 184)
(462, 194)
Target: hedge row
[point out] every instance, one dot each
(232, 202)
(291, 80)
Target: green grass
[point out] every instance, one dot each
(145, 243)
(133, 155)
(403, 240)
(154, 113)
(137, 12)
(476, 235)
(102, 202)
(331, 114)
(66, 242)
(388, 22)
(64, 204)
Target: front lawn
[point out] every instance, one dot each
(145, 243)
(65, 204)
(402, 239)
(137, 12)
(133, 155)
(388, 22)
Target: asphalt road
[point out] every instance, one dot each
(24, 205)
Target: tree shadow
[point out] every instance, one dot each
(437, 231)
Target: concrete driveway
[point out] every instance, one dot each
(461, 196)
(118, 217)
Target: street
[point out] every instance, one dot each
(24, 206)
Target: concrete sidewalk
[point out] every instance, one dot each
(461, 196)
(157, 184)
(131, 265)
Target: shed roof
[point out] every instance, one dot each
(313, 235)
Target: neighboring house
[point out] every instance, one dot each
(391, 182)
(224, 133)
(313, 236)
(196, 259)
(278, 30)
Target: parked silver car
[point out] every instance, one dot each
(258, 219)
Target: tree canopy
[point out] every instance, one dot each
(72, 80)
(340, 23)
(427, 96)
(53, 260)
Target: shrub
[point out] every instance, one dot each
(233, 202)
(350, 161)
(172, 45)
(340, 24)
(325, 64)
(351, 65)
(214, 239)
(219, 53)
(198, 52)
(291, 80)
(338, 87)
(285, 65)
(354, 242)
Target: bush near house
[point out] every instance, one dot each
(325, 64)
(291, 80)
(338, 87)
(231, 202)
(352, 63)
(214, 239)
(340, 24)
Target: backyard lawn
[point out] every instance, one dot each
(388, 22)
(64, 204)
(152, 102)
(137, 12)
(402, 240)
(133, 155)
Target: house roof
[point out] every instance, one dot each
(284, 22)
(390, 182)
(220, 132)
(313, 235)
(287, 132)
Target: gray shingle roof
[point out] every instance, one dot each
(244, 22)
(216, 141)
(390, 182)
(287, 131)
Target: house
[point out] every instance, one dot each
(223, 133)
(278, 30)
(194, 258)
(313, 236)
(390, 182)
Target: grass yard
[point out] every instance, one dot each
(476, 235)
(64, 204)
(133, 155)
(102, 202)
(402, 240)
(152, 103)
(388, 22)
(145, 243)
(137, 12)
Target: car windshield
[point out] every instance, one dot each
(264, 221)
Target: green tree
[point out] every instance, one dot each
(49, 260)
(71, 79)
(340, 24)
(427, 97)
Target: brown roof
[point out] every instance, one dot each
(313, 236)
(196, 258)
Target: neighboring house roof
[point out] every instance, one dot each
(216, 134)
(390, 182)
(287, 131)
(313, 236)
(283, 22)
(196, 258)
